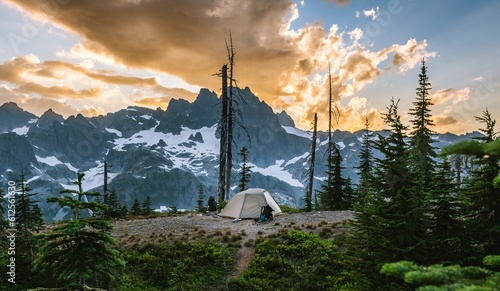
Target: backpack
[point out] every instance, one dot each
(266, 213)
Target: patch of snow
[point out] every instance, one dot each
(131, 109)
(114, 131)
(341, 145)
(277, 171)
(297, 132)
(296, 159)
(33, 120)
(52, 161)
(163, 209)
(21, 130)
(147, 117)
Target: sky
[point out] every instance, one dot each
(94, 57)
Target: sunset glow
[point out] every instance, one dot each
(95, 57)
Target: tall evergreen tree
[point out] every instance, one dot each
(332, 191)
(349, 194)
(422, 152)
(201, 199)
(28, 221)
(447, 238)
(388, 227)
(82, 247)
(245, 169)
(365, 166)
(481, 197)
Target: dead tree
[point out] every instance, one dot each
(229, 118)
(229, 144)
(309, 189)
(221, 191)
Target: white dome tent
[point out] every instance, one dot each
(248, 204)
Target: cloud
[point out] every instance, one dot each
(187, 39)
(373, 13)
(58, 91)
(90, 110)
(36, 106)
(442, 120)
(445, 95)
(153, 102)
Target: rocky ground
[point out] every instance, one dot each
(184, 227)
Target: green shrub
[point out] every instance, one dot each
(294, 261)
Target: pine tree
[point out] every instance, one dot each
(349, 194)
(28, 221)
(388, 227)
(200, 200)
(136, 208)
(114, 207)
(365, 166)
(481, 197)
(446, 226)
(146, 208)
(422, 152)
(332, 195)
(245, 169)
(82, 247)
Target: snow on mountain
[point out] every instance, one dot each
(114, 131)
(21, 130)
(167, 154)
(277, 170)
(297, 132)
(53, 161)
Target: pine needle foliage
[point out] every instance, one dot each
(82, 248)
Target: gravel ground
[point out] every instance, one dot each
(129, 232)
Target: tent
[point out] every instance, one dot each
(248, 203)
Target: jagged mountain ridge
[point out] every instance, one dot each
(165, 154)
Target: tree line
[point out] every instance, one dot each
(412, 203)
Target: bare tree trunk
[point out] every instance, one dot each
(330, 113)
(311, 166)
(229, 158)
(221, 191)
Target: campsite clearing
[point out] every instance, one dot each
(143, 230)
(186, 227)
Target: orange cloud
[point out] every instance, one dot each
(445, 95)
(153, 102)
(187, 39)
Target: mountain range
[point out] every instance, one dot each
(167, 154)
